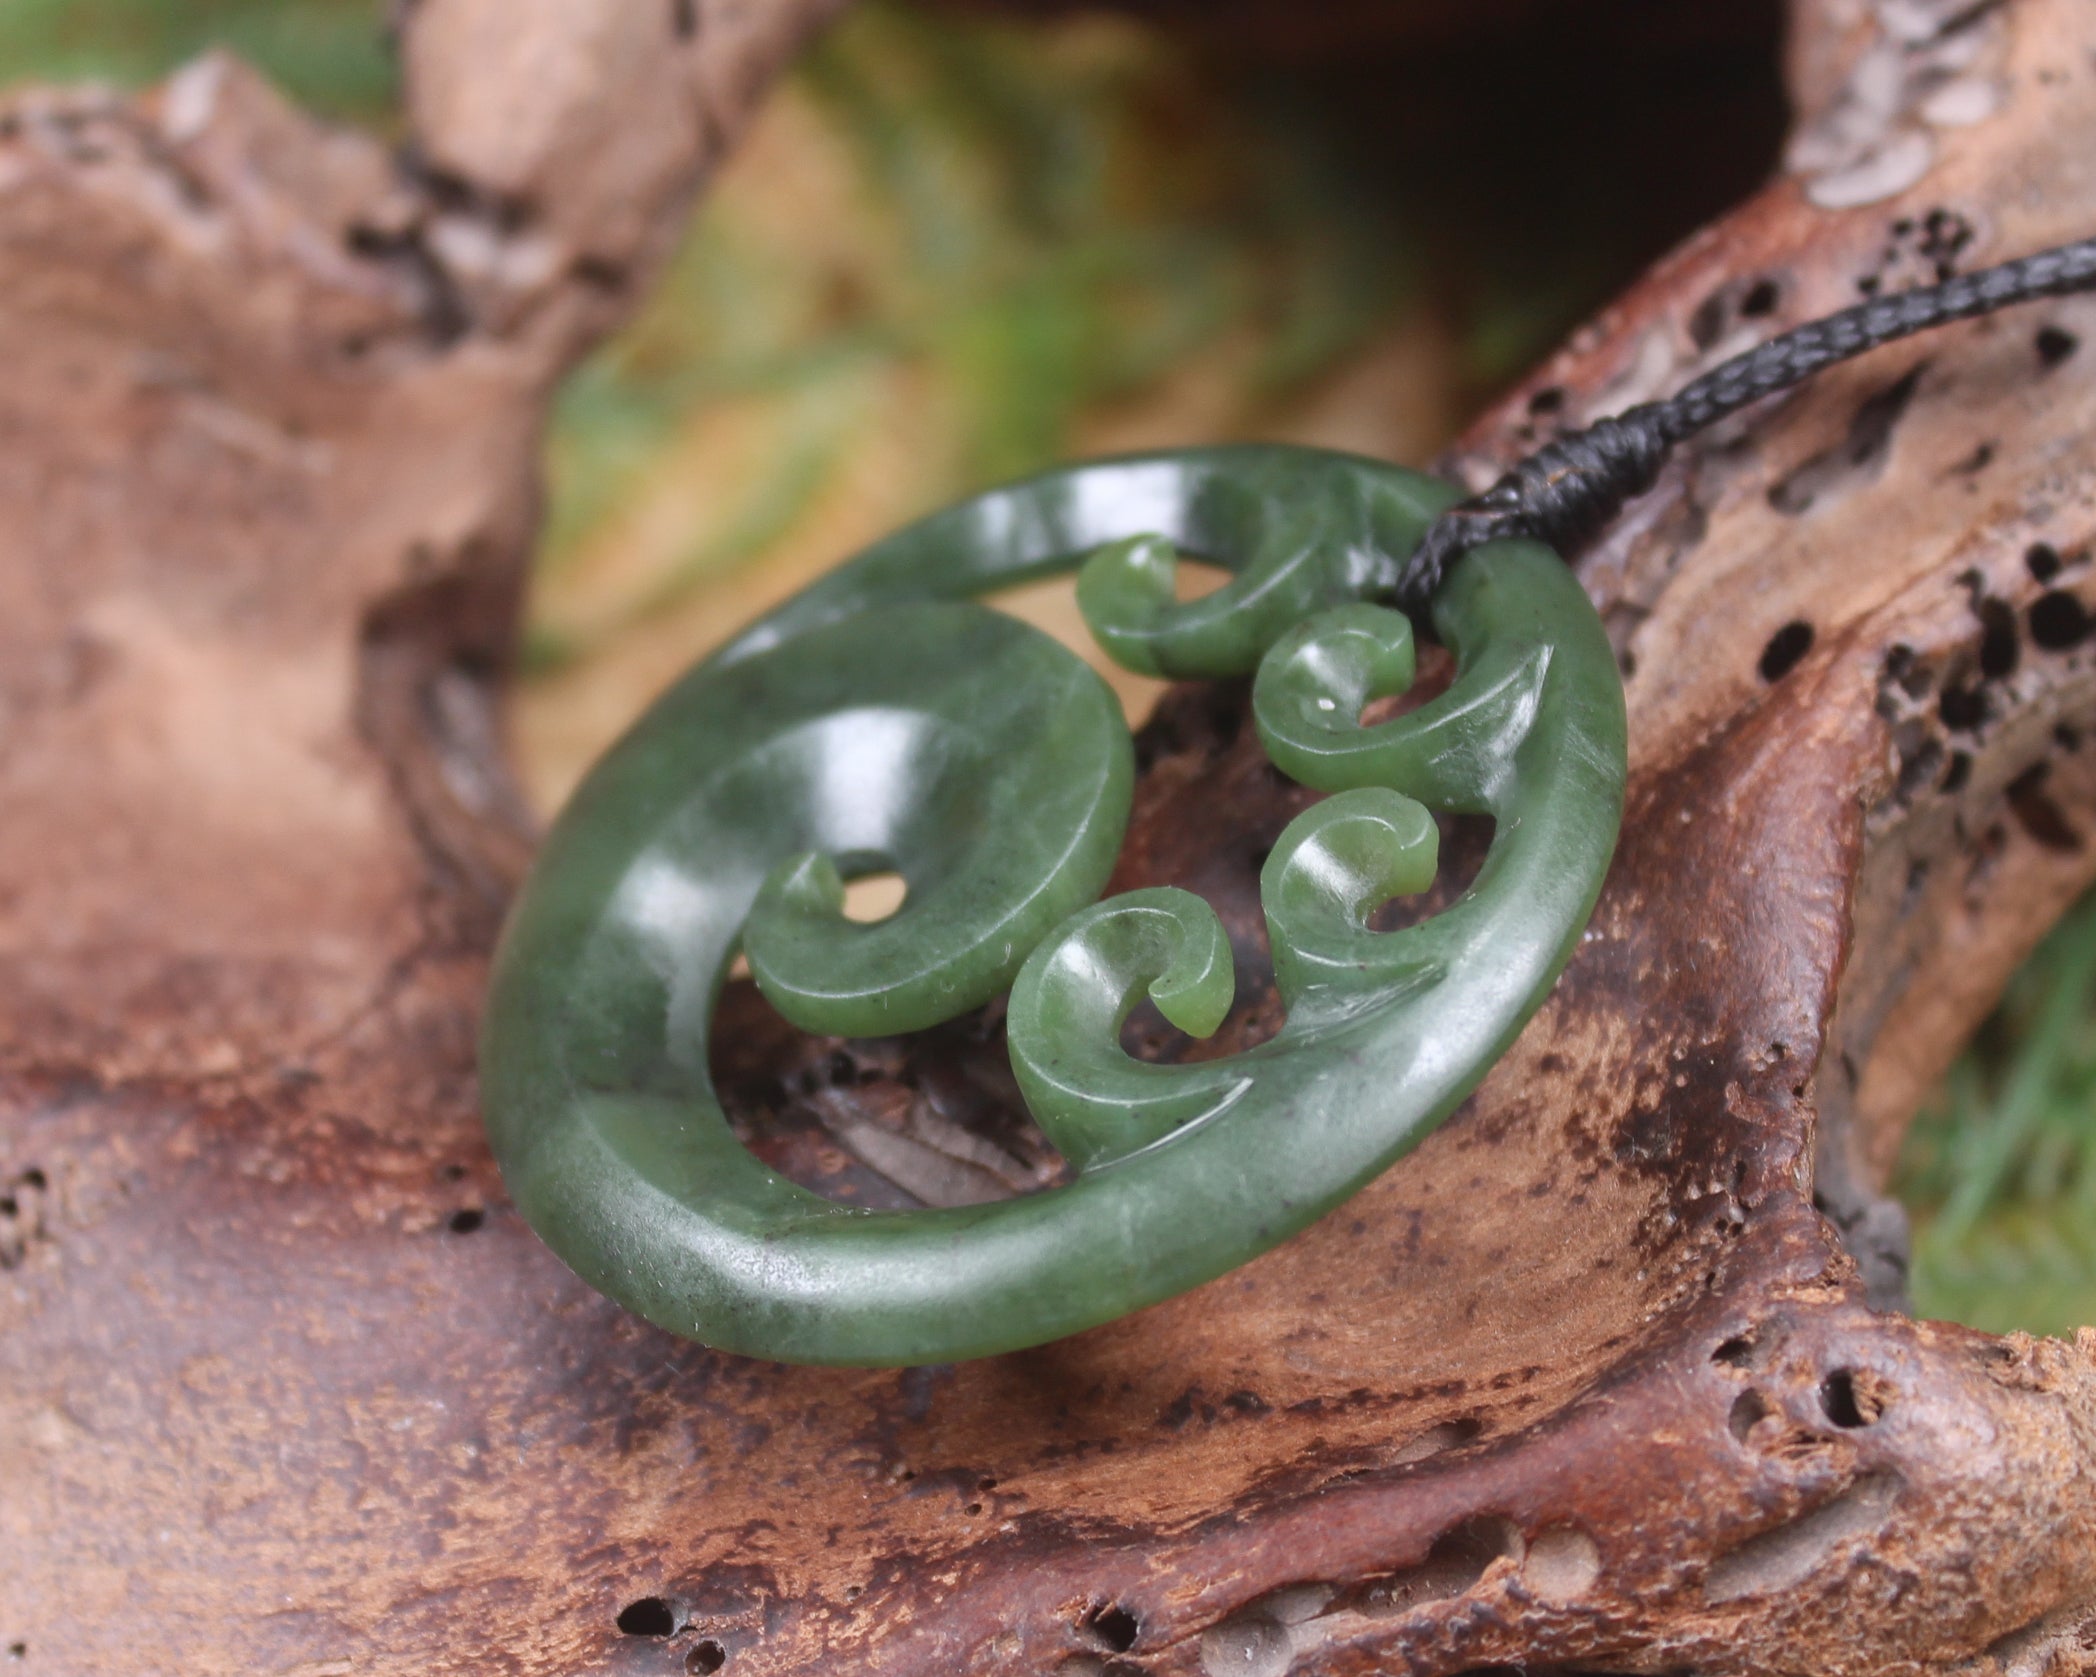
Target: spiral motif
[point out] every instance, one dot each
(882, 720)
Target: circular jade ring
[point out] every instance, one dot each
(883, 721)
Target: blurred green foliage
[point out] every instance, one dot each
(2000, 1167)
(1056, 230)
(1035, 275)
(329, 54)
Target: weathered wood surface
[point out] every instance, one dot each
(285, 1386)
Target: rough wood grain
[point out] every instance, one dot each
(285, 1386)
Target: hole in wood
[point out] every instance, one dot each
(649, 1616)
(1112, 1627)
(1453, 1566)
(2054, 345)
(1858, 458)
(1445, 1435)
(1562, 1564)
(1962, 708)
(2040, 817)
(1998, 643)
(2058, 621)
(1247, 1647)
(1785, 647)
(1853, 1397)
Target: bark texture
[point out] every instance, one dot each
(1594, 1379)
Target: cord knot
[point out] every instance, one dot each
(1561, 494)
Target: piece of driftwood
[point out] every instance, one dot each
(1604, 1376)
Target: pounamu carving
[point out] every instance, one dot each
(858, 730)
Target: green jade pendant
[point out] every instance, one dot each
(881, 721)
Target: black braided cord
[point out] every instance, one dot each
(1565, 492)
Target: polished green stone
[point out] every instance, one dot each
(975, 756)
(879, 721)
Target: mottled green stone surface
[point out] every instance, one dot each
(878, 721)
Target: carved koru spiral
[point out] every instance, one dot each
(883, 721)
